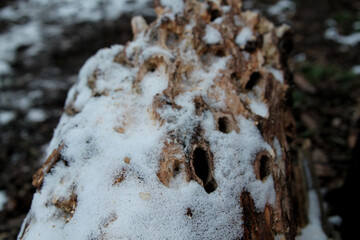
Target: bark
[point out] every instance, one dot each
(256, 72)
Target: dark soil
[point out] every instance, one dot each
(325, 100)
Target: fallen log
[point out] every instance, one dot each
(180, 134)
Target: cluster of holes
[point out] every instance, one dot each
(202, 168)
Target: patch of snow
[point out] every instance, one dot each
(335, 220)
(314, 229)
(136, 45)
(350, 40)
(279, 237)
(70, 12)
(281, 6)
(218, 20)
(257, 106)
(19, 99)
(6, 117)
(278, 150)
(356, 69)
(243, 37)
(4, 68)
(36, 115)
(176, 6)
(356, 25)
(212, 35)
(3, 199)
(301, 57)
(41, 21)
(19, 36)
(225, 9)
(154, 83)
(278, 74)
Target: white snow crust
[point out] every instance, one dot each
(278, 74)
(212, 35)
(176, 6)
(244, 36)
(257, 106)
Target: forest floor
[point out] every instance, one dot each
(35, 81)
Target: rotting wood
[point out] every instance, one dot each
(255, 73)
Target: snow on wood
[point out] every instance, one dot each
(244, 36)
(173, 137)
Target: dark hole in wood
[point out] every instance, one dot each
(210, 186)
(260, 41)
(214, 14)
(224, 125)
(233, 76)
(189, 212)
(176, 169)
(201, 163)
(254, 79)
(251, 46)
(151, 67)
(264, 167)
(220, 53)
(289, 139)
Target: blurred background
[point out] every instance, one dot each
(44, 43)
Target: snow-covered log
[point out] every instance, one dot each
(180, 134)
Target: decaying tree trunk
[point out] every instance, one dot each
(180, 134)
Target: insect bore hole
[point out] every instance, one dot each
(254, 79)
(264, 167)
(202, 168)
(224, 125)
